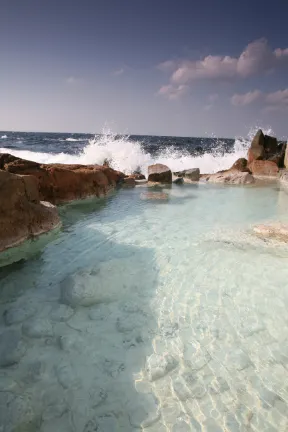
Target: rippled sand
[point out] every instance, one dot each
(156, 315)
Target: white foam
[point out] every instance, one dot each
(4, 137)
(127, 156)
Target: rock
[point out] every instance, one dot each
(141, 182)
(23, 216)
(12, 348)
(264, 147)
(158, 366)
(240, 165)
(191, 174)
(18, 314)
(67, 376)
(61, 183)
(19, 415)
(264, 168)
(229, 177)
(275, 230)
(129, 181)
(38, 328)
(256, 150)
(286, 157)
(159, 173)
(154, 196)
(178, 180)
(137, 176)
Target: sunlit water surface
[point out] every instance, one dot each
(163, 315)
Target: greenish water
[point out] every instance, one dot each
(155, 315)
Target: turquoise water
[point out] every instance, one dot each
(162, 315)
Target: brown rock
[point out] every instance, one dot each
(154, 196)
(192, 174)
(275, 230)
(229, 177)
(61, 183)
(256, 150)
(129, 181)
(137, 176)
(286, 157)
(240, 165)
(264, 168)
(22, 215)
(159, 173)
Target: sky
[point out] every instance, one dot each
(154, 67)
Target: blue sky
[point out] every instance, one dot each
(190, 68)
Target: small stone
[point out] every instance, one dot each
(12, 348)
(162, 196)
(181, 389)
(38, 328)
(238, 360)
(178, 180)
(101, 424)
(62, 313)
(67, 376)
(17, 314)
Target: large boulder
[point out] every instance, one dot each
(192, 174)
(229, 177)
(263, 168)
(265, 147)
(256, 150)
(59, 183)
(159, 173)
(22, 215)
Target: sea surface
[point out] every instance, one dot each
(154, 315)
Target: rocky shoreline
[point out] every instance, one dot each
(29, 191)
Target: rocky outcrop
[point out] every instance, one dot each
(264, 168)
(286, 157)
(229, 177)
(191, 174)
(159, 173)
(137, 176)
(22, 215)
(265, 147)
(61, 183)
(275, 230)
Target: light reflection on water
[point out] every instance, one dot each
(174, 317)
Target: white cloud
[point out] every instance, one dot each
(173, 92)
(273, 101)
(73, 80)
(246, 99)
(257, 58)
(118, 72)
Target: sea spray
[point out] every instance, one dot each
(129, 154)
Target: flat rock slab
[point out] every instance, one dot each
(229, 177)
(277, 231)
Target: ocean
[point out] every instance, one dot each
(127, 153)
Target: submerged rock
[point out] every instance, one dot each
(158, 366)
(38, 328)
(275, 230)
(192, 174)
(17, 314)
(12, 348)
(154, 196)
(159, 173)
(264, 168)
(23, 216)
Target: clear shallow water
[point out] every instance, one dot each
(185, 325)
